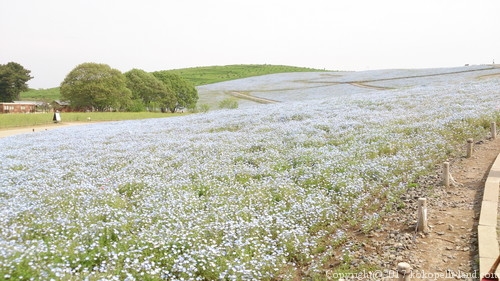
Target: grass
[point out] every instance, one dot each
(212, 74)
(23, 120)
(196, 75)
(46, 95)
(283, 204)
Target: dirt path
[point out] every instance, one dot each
(252, 98)
(451, 245)
(450, 249)
(363, 85)
(37, 128)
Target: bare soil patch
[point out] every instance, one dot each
(495, 75)
(364, 85)
(451, 245)
(252, 98)
(450, 249)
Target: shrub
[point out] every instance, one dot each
(228, 103)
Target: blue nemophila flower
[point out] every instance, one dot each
(236, 194)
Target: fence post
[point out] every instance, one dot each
(470, 147)
(493, 130)
(422, 215)
(404, 271)
(446, 174)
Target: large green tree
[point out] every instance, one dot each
(96, 86)
(13, 78)
(186, 94)
(147, 89)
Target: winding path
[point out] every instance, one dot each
(363, 83)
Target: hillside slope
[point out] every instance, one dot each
(283, 87)
(323, 181)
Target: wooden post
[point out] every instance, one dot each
(470, 147)
(446, 174)
(422, 215)
(404, 271)
(493, 130)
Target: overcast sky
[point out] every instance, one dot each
(51, 37)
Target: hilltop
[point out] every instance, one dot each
(196, 75)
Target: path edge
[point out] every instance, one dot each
(488, 219)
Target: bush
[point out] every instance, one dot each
(229, 103)
(204, 108)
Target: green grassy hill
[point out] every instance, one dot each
(196, 75)
(47, 95)
(213, 74)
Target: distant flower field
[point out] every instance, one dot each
(247, 194)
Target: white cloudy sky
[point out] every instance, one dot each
(51, 37)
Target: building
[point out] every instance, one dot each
(18, 107)
(61, 106)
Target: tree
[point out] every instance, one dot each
(13, 78)
(186, 94)
(97, 87)
(146, 88)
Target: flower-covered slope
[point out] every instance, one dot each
(230, 194)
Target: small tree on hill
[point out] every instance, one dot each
(185, 93)
(97, 87)
(13, 78)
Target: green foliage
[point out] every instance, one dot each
(204, 108)
(185, 93)
(46, 95)
(17, 168)
(13, 78)
(371, 223)
(20, 120)
(228, 128)
(23, 120)
(136, 105)
(97, 87)
(195, 76)
(457, 132)
(128, 190)
(213, 74)
(229, 103)
(146, 87)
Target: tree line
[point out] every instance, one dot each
(98, 87)
(94, 86)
